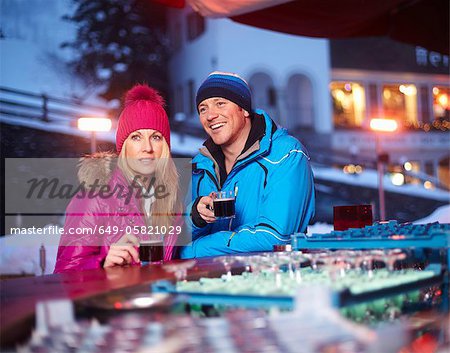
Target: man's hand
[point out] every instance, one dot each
(123, 252)
(205, 208)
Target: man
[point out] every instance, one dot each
(248, 154)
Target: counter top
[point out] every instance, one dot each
(19, 296)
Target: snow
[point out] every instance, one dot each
(441, 215)
(369, 178)
(319, 228)
(20, 253)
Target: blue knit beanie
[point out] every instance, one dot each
(226, 85)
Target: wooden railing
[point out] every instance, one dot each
(43, 107)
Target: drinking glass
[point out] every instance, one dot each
(224, 204)
(151, 251)
(391, 257)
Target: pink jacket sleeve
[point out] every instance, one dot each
(81, 251)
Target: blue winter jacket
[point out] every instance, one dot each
(275, 196)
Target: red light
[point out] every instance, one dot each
(438, 293)
(424, 344)
(118, 305)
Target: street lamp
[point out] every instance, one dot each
(381, 126)
(93, 125)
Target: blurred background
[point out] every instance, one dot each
(321, 69)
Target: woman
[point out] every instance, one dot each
(125, 197)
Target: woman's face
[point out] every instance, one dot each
(143, 148)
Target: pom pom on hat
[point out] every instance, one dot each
(143, 92)
(144, 109)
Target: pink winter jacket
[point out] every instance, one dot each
(103, 218)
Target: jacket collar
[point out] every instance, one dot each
(215, 153)
(258, 143)
(261, 146)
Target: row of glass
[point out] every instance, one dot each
(282, 273)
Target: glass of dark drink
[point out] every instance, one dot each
(356, 216)
(151, 251)
(224, 205)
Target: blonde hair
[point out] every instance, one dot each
(163, 210)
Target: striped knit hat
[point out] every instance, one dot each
(226, 85)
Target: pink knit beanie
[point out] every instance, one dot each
(144, 109)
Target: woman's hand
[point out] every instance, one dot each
(205, 208)
(123, 252)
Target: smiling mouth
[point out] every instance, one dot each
(146, 160)
(216, 126)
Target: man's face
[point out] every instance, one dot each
(224, 121)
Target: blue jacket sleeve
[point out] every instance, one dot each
(287, 205)
(194, 230)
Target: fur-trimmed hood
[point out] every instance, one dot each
(98, 166)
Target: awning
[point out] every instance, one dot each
(423, 23)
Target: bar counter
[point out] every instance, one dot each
(284, 297)
(19, 296)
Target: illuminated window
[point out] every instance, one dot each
(400, 103)
(441, 107)
(349, 104)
